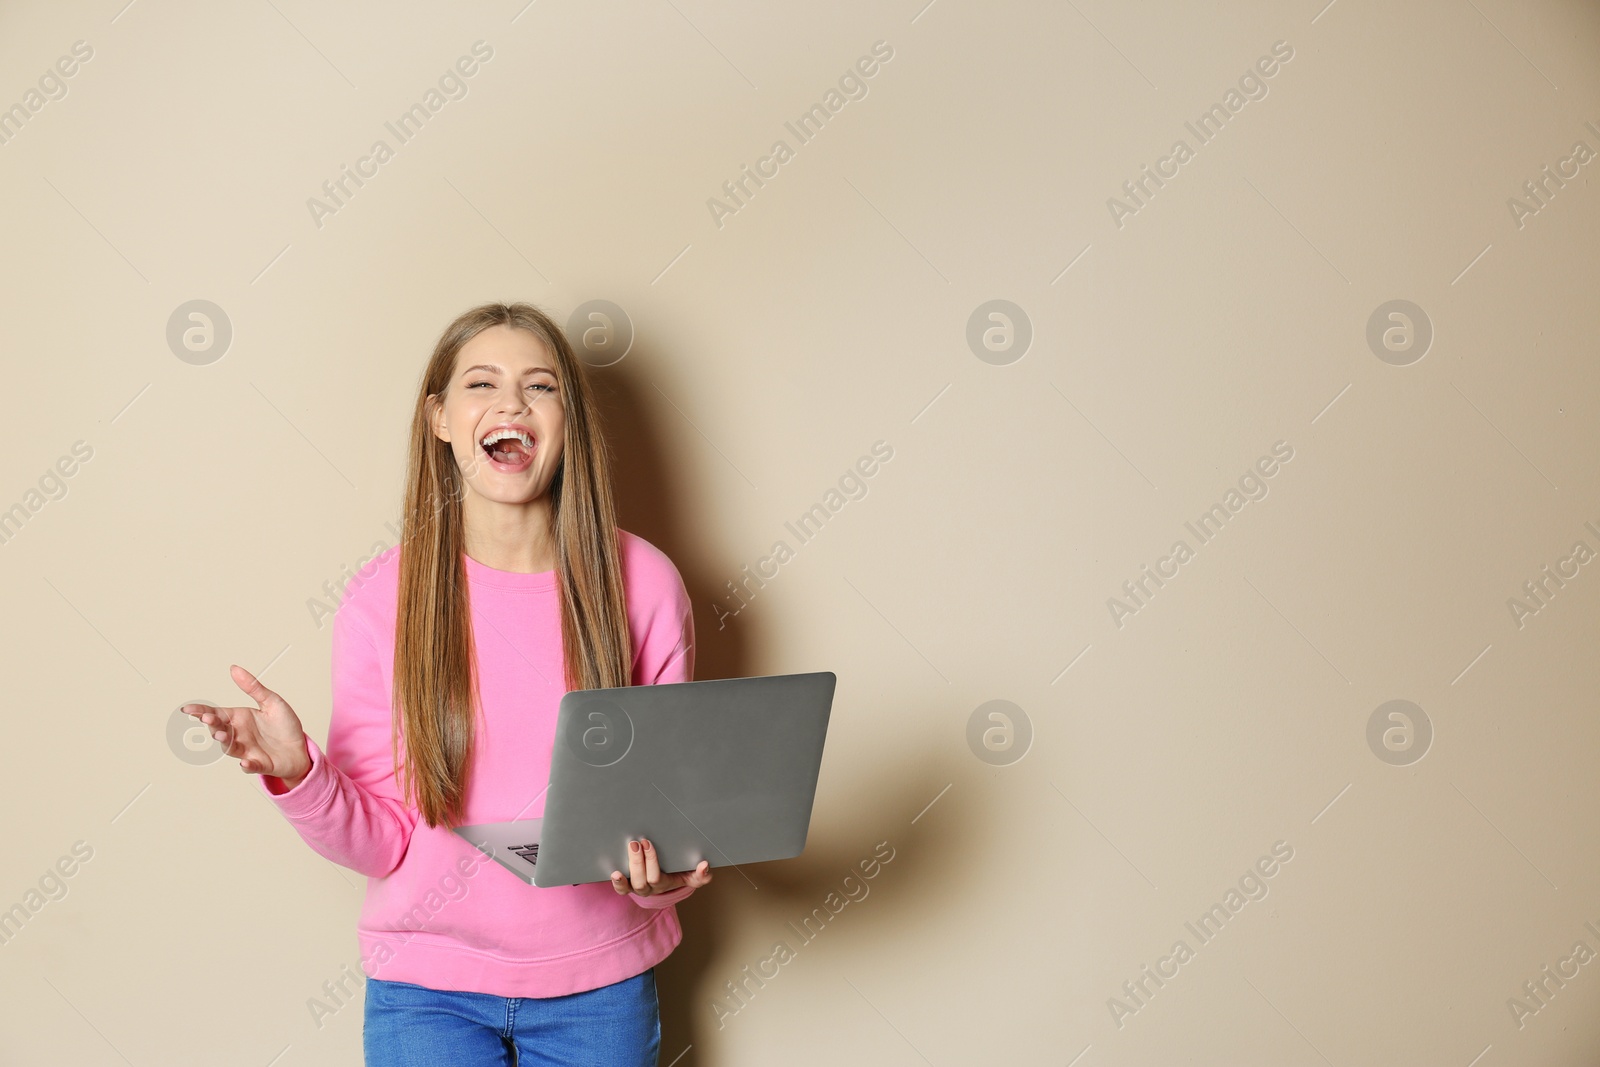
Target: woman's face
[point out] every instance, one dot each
(504, 378)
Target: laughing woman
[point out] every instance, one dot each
(515, 585)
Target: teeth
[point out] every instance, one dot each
(495, 436)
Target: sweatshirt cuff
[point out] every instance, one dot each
(313, 792)
(657, 901)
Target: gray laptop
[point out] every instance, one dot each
(723, 770)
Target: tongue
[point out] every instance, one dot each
(509, 451)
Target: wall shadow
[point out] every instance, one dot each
(648, 492)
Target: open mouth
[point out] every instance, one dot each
(509, 450)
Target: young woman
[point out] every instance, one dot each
(514, 586)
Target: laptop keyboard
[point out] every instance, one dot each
(527, 852)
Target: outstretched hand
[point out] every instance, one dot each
(266, 739)
(646, 878)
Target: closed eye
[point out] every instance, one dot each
(532, 385)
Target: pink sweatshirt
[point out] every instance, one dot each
(437, 912)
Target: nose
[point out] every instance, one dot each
(515, 404)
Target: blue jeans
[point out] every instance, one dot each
(408, 1025)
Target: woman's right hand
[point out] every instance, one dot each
(266, 739)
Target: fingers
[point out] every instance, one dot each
(228, 737)
(645, 875)
(644, 869)
(695, 878)
(636, 867)
(220, 720)
(226, 724)
(251, 759)
(626, 883)
(251, 685)
(209, 715)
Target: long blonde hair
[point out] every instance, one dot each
(435, 676)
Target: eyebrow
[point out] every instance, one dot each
(496, 370)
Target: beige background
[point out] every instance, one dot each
(1167, 755)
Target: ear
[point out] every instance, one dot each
(436, 417)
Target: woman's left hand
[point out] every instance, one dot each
(646, 878)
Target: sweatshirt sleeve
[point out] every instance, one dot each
(348, 806)
(669, 657)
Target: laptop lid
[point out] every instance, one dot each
(723, 770)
